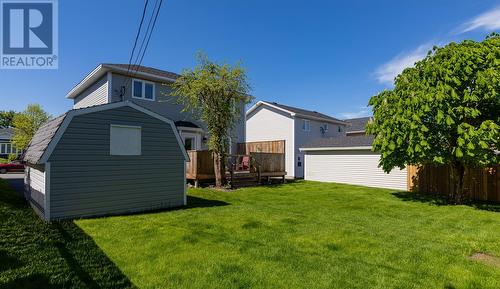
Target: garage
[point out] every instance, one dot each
(349, 160)
(103, 160)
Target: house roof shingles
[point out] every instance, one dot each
(42, 139)
(145, 69)
(304, 112)
(342, 141)
(357, 124)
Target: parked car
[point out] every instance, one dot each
(15, 166)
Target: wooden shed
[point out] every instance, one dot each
(108, 159)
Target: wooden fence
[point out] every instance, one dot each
(277, 146)
(480, 184)
(200, 165)
(270, 163)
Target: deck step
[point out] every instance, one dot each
(242, 179)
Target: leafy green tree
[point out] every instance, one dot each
(6, 118)
(214, 92)
(443, 111)
(26, 123)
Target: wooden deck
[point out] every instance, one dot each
(263, 166)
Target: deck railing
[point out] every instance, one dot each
(201, 165)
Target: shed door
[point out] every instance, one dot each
(352, 167)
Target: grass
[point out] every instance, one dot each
(299, 235)
(35, 255)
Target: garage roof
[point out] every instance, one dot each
(46, 138)
(340, 143)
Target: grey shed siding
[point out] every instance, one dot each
(87, 181)
(96, 94)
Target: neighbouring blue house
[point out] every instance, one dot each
(6, 146)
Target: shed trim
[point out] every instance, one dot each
(71, 114)
(47, 192)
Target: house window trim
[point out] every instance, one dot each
(306, 128)
(8, 148)
(143, 87)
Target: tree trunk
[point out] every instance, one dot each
(218, 169)
(457, 177)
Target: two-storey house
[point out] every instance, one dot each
(267, 121)
(149, 88)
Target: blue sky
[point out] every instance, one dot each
(319, 55)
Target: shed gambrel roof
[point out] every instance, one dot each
(340, 142)
(48, 135)
(295, 111)
(41, 140)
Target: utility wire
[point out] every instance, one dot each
(146, 34)
(148, 37)
(137, 35)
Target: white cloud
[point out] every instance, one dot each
(489, 20)
(363, 111)
(387, 72)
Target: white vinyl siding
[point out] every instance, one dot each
(356, 167)
(96, 94)
(125, 140)
(35, 188)
(35, 179)
(268, 124)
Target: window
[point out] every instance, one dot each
(125, 140)
(306, 125)
(148, 90)
(137, 89)
(325, 126)
(8, 148)
(340, 129)
(143, 89)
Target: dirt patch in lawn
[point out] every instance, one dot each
(486, 259)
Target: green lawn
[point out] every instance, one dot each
(299, 235)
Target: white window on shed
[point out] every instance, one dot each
(125, 140)
(306, 125)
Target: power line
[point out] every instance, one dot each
(149, 37)
(143, 46)
(146, 34)
(137, 35)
